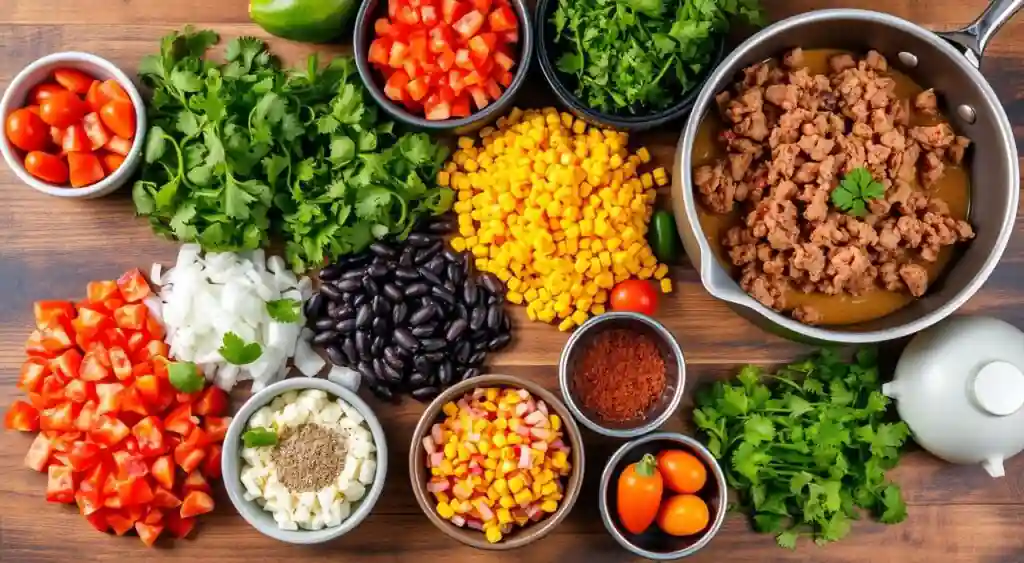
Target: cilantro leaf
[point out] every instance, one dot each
(259, 437)
(855, 190)
(234, 350)
(185, 377)
(895, 510)
(787, 539)
(285, 310)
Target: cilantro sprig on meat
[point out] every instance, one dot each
(242, 149)
(806, 446)
(855, 190)
(638, 56)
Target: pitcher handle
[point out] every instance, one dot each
(975, 37)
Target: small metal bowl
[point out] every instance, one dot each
(675, 374)
(653, 543)
(231, 463)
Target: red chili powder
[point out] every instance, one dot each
(620, 374)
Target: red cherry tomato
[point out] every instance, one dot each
(95, 96)
(85, 168)
(26, 130)
(74, 80)
(638, 296)
(47, 167)
(119, 117)
(62, 109)
(43, 91)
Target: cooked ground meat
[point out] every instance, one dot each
(791, 137)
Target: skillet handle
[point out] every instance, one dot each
(975, 37)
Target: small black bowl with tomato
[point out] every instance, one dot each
(444, 65)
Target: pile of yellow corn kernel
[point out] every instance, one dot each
(496, 461)
(556, 210)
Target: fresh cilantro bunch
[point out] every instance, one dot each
(806, 446)
(855, 190)
(639, 56)
(241, 148)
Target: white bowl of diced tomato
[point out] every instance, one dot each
(73, 125)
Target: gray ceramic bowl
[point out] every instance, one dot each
(254, 513)
(675, 368)
(653, 543)
(364, 33)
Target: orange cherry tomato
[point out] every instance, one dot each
(85, 169)
(113, 91)
(47, 167)
(95, 96)
(638, 296)
(43, 91)
(119, 117)
(74, 80)
(111, 161)
(683, 515)
(639, 494)
(26, 130)
(62, 109)
(682, 471)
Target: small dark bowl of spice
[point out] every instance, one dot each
(622, 374)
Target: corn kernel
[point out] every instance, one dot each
(445, 511)
(644, 155)
(666, 285)
(493, 535)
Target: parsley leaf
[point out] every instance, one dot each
(855, 190)
(234, 350)
(285, 310)
(185, 377)
(807, 445)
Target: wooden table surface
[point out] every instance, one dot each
(50, 248)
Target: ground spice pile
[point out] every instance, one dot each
(308, 457)
(620, 374)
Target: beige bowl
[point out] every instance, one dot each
(519, 536)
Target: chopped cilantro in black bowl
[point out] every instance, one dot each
(616, 74)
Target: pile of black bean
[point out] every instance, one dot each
(409, 317)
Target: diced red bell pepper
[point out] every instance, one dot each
(39, 453)
(80, 391)
(92, 368)
(49, 313)
(196, 503)
(60, 418)
(100, 291)
(32, 373)
(149, 433)
(134, 287)
(108, 430)
(60, 484)
(131, 317)
(109, 397)
(22, 416)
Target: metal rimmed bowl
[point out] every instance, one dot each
(231, 463)
(518, 537)
(653, 543)
(675, 374)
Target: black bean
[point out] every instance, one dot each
(407, 257)
(407, 274)
(346, 326)
(324, 324)
(461, 312)
(445, 374)
(422, 364)
(417, 290)
(469, 291)
(435, 357)
(393, 375)
(467, 262)
(350, 285)
(313, 306)
(363, 344)
(430, 276)
(380, 307)
(325, 337)
(492, 283)
(452, 256)
(476, 359)
(469, 374)
(425, 393)
(331, 292)
(377, 270)
(477, 318)
(433, 344)
(399, 313)
(335, 354)
(423, 330)
(417, 380)
(365, 369)
(506, 324)
(422, 315)
(392, 359)
(382, 392)
(454, 273)
(420, 240)
(443, 295)
(364, 316)
(462, 351)
(406, 340)
(370, 287)
(440, 226)
(359, 299)
(455, 329)
(494, 314)
(349, 347)
(352, 275)
(380, 326)
(331, 272)
(429, 253)
(482, 344)
(378, 368)
(377, 347)
(382, 250)
(392, 292)
(499, 342)
(436, 266)
(342, 312)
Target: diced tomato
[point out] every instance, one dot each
(429, 15)
(80, 391)
(380, 51)
(111, 161)
(502, 19)
(154, 516)
(55, 339)
(91, 321)
(492, 89)
(216, 428)
(469, 24)
(181, 420)
(39, 453)
(395, 87)
(213, 401)
(73, 80)
(163, 471)
(460, 107)
(195, 481)
(52, 391)
(91, 487)
(134, 288)
(452, 10)
(86, 168)
(149, 433)
(131, 317)
(482, 45)
(113, 91)
(109, 395)
(68, 364)
(153, 391)
(95, 97)
(131, 401)
(407, 15)
(51, 313)
(43, 91)
(437, 110)
(92, 368)
(100, 291)
(75, 140)
(154, 327)
(397, 55)
(98, 519)
(21, 416)
(129, 464)
(113, 304)
(60, 484)
(178, 526)
(134, 491)
(119, 522)
(60, 418)
(163, 498)
(136, 341)
(152, 349)
(108, 430)
(502, 59)
(99, 351)
(32, 373)
(188, 458)
(94, 129)
(86, 417)
(34, 345)
(479, 96)
(211, 465)
(120, 363)
(119, 145)
(196, 503)
(83, 455)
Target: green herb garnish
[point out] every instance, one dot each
(285, 310)
(806, 451)
(638, 56)
(855, 190)
(185, 377)
(234, 350)
(241, 148)
(258, 437)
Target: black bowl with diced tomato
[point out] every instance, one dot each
(451, 65)
(73, 123)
